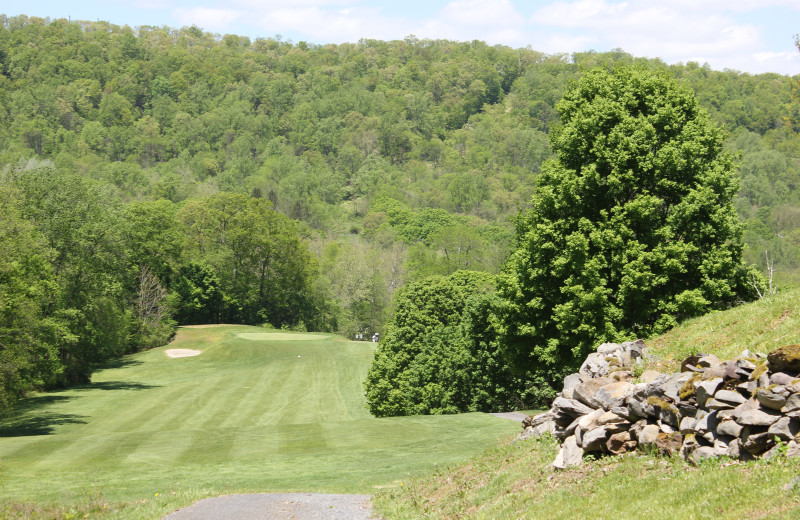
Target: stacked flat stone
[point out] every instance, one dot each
(744, 408)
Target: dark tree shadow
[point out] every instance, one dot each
(119, 363)
(115, 385)
(31, 415)
(41, 424)
(28, 418)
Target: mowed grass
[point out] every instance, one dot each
(256, 411)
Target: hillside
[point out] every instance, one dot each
(257, 410)
(515, 480)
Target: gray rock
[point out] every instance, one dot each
(578, 434)
(619, 443)
(666, 428)
(721, 447)
(570, 430)
(670, 415)
(648, 434)
(571, 407)
(706, 389)
(745, 364)
(763, 380)
(687, 425)
(609, 349)
(756, 443)
(595, 439)
(748, 387)
(589, 421)
(781, 378)
(785, 428)
(538, 419)
(672, 386)
(623, 412)
(648, 376)
(610, 418)
(613, 394)
(713, 404)
(729, 396)
(750, 404)
(595, 365)
(708, 361)
(773, 398)
(793, 485)
(734, 448)
(792, 404)
(637, 406)
(570, 382)
(729, 427)
(570, 454)
(707, 423)
(756, 418)
(669, 443)
(702, 453)
(792, 449)
(585, 391)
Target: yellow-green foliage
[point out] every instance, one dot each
(687, 390)
(759, 371)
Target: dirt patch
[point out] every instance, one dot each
(280, 336)
(182, 352)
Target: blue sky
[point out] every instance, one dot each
(748, 35)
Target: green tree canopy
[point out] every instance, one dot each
(440, 351)
(632, 226)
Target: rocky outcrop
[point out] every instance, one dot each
(743, 408)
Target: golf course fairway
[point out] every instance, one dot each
(242, 409)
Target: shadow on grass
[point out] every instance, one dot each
(42, 424)
(28, 419)
(115, 385)
(32, 418)
(120, 363)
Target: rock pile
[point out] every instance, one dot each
(744, 408)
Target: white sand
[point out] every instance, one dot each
(182, 352)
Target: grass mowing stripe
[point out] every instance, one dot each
(244, 415)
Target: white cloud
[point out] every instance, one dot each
(674, 30)
(209, 18)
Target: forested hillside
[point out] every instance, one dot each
(157, 173)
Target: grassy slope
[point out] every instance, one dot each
(251, 413)
(516, 481)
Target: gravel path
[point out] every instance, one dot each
(514, 416)
(278, 506)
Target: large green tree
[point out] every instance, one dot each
(440, 352)
(631, 228)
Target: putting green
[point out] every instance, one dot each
(281, 336)
(253, 413)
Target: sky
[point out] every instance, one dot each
(752, 36)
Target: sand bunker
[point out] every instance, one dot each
(182, 352)
(280, 336)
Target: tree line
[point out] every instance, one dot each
(357, 169)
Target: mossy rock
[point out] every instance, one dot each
(760, 370)
(785, 359)
(688, 390)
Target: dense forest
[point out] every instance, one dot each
(152, 176)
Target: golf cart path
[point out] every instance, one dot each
(278, 506)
